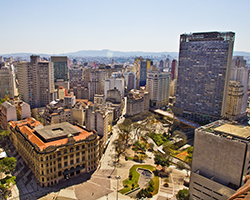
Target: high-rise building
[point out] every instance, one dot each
(7, 80)
(220, 160)
(240, 73)
(203, 75)
(36, 82)
(158, 85)
(173, 69)
(61, 71)
(111, 83)
(137, 102)
(234, 100)
(130, 80)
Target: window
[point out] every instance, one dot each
(71, 155)
(42, 179)
(71, 149)
(77, 154)
(59, 159)
(65, 157)
(77, 148)
(41, 158)
(50, 157)
(42, 165)
(65, 164)
(59, 173)
(77, 160)
(58, 153)
(83, 158)
(65, 151)
(72, 162)
(54, 155)
(47, 157)
(59, 166)
(83, 152)
(83, 146)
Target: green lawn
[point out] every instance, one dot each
(135, 179)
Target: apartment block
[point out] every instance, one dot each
(203, 75)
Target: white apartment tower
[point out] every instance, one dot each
(158, 86)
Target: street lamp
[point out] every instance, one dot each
(117, 178)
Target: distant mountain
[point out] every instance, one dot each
(110, 53)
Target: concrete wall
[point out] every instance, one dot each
(218, 157)
(207, 189)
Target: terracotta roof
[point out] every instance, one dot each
(33, 137)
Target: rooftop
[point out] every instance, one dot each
(234, 130)
(52, 135)
(57, 130)
(228, 129)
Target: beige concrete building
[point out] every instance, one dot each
(137, 102)
(36, 82)
(158, 84)
(220, 160)
(234, 100)
(56, 152)
(54, 113)
(7, 80)
(114, 96)
(99, 99)
(13, 110)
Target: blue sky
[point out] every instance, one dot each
(61, 26)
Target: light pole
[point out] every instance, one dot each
(117, 178)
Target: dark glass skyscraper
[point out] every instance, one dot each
(60, 67)
(203, 75)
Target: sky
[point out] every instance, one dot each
(62, 26)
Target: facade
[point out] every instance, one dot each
(144, 66)
(99, 99)
(158, 86)
(61, 71)
(97, 118)
(234, 100)
(75, 76)
(7, 80)
(173, 69)
(114, 96)
(111, 83)
(137, 102)
(240, 73)
(36, 82)
(130, 80)
(220, 160)
(13, 110)
(203, 75)
(56, 152)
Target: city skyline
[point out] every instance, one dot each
(56, 27)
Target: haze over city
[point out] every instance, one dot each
(55, 27)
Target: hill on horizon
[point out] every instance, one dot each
(110, 53)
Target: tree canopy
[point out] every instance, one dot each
(183, 194)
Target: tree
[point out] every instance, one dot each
(120, 148)
(7, 165)
(183, 194)
(139, 146)
(160, 160)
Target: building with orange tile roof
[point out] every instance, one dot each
(55, 152)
